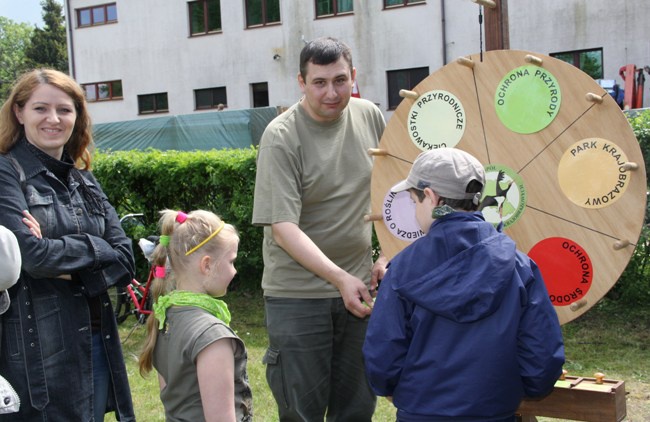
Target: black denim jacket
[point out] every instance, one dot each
(46, 340)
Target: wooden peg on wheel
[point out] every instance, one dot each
(620, 244)
(466, 62)
(578, 305)
(533, 60)
(630, 166)
(372, 217)
(594, 98)
(405, 93)
(377, 152)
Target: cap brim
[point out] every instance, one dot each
(401, 186)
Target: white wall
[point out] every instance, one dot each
(618, 27)
(150, 51)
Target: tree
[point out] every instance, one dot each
(49, 45)
(14, 40)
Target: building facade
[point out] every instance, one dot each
(140, 59)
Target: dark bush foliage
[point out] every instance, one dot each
(220, 181)
(633, 286)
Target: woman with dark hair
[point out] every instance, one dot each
(60, 346)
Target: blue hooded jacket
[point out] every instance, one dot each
(462, 327)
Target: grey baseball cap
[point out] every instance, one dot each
(447, 171)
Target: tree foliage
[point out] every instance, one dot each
(48, 46)
(15, 38)
(633, 287)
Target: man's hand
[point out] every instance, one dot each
(354, 293)
(301, 248)
(378, 271)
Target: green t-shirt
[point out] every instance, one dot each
(317, 175)
(189, 330)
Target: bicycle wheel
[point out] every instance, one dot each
(121, 303)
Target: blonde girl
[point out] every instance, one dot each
(201, 363)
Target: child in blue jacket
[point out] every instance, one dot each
(462, 327)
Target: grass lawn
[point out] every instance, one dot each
(607, 339)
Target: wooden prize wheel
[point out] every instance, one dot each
(564, 171)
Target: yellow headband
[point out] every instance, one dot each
(207, 239)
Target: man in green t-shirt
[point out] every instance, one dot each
(311, 195)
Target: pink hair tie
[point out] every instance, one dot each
(159, 271)
(181, 217)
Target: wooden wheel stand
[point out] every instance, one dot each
(585, 399)
(564, 170)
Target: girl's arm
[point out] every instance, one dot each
(215, 366)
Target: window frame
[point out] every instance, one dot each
(155, 110)
(576, 59)
(216, 99)
(405, 3)
(335, 6)
(111, 89)
(265, 21)
(206, 17)
(91, 10)
(257, 89)
(409, 73)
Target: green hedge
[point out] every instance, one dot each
(223, 182)
(220, 181)
(633, 287)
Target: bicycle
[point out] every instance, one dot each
(135, 298)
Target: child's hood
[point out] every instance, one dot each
(469, 286)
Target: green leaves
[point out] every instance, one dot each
(14, 40)
(633, 287)
(221, 181)
(48, 47)
(24, 47)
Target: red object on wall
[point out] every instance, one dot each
(634, 82)
(355, 90)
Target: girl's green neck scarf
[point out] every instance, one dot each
(216, 307)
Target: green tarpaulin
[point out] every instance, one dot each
(200, 131)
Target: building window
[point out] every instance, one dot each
(260, 93)
(403, 79)
(153, 103)
(210, 98)
(325, 8)
(97, 15)
(103, 91)
(400, 3)
(205, 16)
(589, 61)
(262, 12)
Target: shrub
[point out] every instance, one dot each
(221, 181)
(633, 286)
